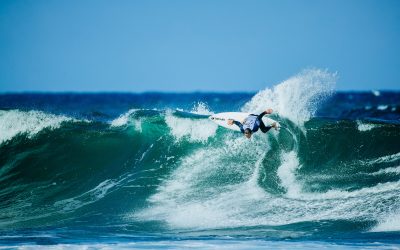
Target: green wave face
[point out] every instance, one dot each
(161, 171)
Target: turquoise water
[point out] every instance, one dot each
(150, 170)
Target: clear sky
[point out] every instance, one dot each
(189, 45)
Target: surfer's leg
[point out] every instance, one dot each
(264, 128)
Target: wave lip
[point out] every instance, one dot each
(15, 122)
(194, 130)
(123, 119)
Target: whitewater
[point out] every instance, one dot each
(137, 168)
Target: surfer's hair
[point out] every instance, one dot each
(247, 131)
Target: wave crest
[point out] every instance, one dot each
(15, 122)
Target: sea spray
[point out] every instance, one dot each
(201, 108)
(296, 98)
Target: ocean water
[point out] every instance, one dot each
(150, 171)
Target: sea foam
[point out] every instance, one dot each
(287, 174)
(391, 222)
(195, 130)
(362, 126)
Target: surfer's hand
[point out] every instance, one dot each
(269, 111)
(274, 125)
(230, 121)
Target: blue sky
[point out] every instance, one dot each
(206, 45)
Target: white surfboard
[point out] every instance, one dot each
(222, 119)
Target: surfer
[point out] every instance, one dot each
(252, 123)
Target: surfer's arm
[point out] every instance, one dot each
(239, 125)
(266, 112)
(260, 116)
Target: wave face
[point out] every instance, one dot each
(154, 164)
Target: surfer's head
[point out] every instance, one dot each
(247, 133)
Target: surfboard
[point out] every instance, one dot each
(222, 119)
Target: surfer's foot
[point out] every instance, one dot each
(269, 111)
(230, 121)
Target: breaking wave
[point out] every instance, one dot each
(175, 170)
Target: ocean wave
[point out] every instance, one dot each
(16, 122)
(188, 198)
(229, 183)
(170, 170)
